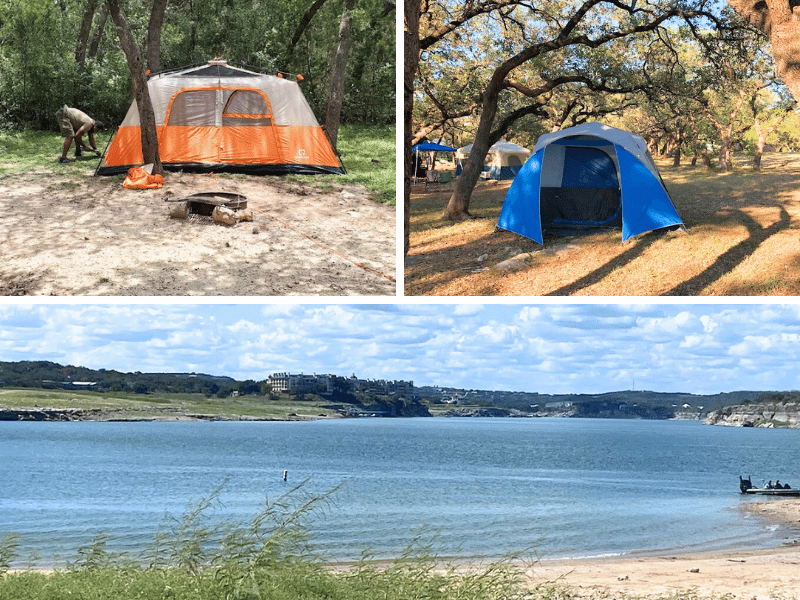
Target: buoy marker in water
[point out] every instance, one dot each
(285, 474)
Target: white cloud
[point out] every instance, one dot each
(709, 324)
(549, 348)
(691, 341)
(467, 309)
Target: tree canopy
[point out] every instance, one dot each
(66, 52)
(691, 77)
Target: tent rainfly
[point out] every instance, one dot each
(503, 161)
(220, 118)
(588, 176)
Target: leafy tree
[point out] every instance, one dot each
(56, 53)
(249, 388)
(554, 28)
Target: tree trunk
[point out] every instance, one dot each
(458, 205)
(781, 22)
(676, 158)
(83, 34)
(334, 112)
(193, 31)
(761, 140)
(94, 46)
(786, 50)
(757, 157)
(147, 118)
(725, 151)
(154, 35)
(410, 62)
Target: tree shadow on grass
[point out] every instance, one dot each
(703, 202)
(724, 264)
(731, 258)
(449, 264)
(621, 260)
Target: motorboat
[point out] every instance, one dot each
(746, 487)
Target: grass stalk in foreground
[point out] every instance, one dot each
(197, 558)
(200, 558)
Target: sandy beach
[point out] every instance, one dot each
(92, 237)
(740, 573)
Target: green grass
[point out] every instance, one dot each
(368, 154)
(266, 559)
(26, 151)
(142, 406)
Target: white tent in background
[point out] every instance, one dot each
(503, 161)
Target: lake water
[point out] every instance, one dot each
(469, 487)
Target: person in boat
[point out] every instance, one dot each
(769, 485)
(778, 485)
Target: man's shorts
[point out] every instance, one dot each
(64, 123)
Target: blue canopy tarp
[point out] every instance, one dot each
(432, 147)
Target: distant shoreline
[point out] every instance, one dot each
(130, 415)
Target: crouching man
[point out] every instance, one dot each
(74, 123)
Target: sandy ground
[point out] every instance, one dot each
(747, 574)
(91, 237)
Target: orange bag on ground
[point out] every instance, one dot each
(139, 179)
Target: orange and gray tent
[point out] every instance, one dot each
(220, 118)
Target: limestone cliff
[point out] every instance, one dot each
(783, 412)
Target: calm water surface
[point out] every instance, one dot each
(470, 487)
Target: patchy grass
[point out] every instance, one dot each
(368, 154)
(25, 151)
(126, 405)
(741, 240)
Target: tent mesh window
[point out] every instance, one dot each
(246, 108)
(589, 193)
(194, 108)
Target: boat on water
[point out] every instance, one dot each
(746, 487)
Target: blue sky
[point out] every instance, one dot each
(549, 348)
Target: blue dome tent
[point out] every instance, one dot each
(588, 176)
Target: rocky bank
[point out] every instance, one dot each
(757, 414)
(126, 414)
